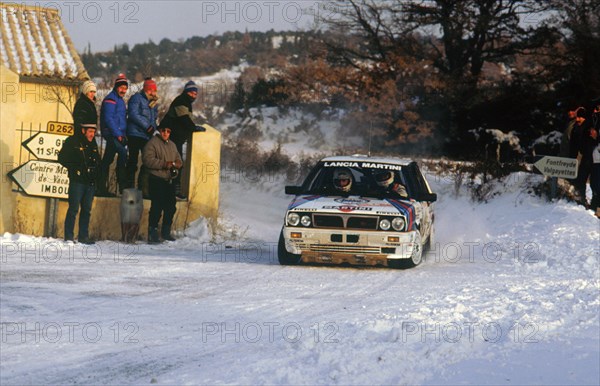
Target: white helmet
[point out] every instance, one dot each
(342, 179)
(384, 178)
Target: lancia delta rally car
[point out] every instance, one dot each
(359, 210)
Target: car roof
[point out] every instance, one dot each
(366, 158)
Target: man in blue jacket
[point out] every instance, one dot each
(113, 122)
(142, 113)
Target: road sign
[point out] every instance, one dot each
(45, 146)
(42, 178)
(60, 128)
(556, 166)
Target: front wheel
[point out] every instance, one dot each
(416, 257)
(286, 258)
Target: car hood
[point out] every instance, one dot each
(356, 205)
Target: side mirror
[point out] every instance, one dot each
(429, 197)
(293, 190)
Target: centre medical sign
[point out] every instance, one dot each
(42, 178)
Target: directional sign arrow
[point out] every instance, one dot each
(557, 166)
(42, 178)
(45, 145)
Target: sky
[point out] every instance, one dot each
(102, 24)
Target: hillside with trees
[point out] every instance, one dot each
(429, 77)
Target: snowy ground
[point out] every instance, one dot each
(510, 295)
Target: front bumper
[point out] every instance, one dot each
(333, 246)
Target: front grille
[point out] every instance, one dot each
(345, 221)
(362, 223)
(344, 248)
(328, 221)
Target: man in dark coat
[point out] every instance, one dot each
(163, 162)
(79, 154)
(587, 139)
(142, 113)
(84, 111)
(179, 119)
(113, 122)
(595, 172)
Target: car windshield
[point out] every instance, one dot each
(350, 178)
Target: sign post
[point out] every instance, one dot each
(556, 167)
(45, 146)
(45, 177)
(560, 167)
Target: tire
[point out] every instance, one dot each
(430, 240)
(286, 258)
(415, 259)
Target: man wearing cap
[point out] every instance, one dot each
(113, 122)
(179, 119)
(163, 162)
(142, 113)
(79, 154)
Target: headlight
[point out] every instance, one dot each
(305, 221)
(384, 224)
(293, 219)
(398, 223)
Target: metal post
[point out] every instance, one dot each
(553, 187)
(51, 218)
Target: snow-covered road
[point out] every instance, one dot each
(510, 294)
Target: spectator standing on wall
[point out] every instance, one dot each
(142, 113)
(180, 120)
(113, 122)
(84, 111)
(163, 162)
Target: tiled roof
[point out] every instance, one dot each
(35, 43)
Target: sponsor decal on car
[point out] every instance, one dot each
(364, 165)
(407, 209)
(302, 200)
(347, 208)
(351, 200)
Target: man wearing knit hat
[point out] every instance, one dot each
(84, 111)
(113, 122)
(180, 120)
(142, 113)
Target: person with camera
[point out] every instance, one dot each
(163, 163)
(79, 154)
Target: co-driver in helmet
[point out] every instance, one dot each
(385, 181)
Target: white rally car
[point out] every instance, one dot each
(359, 210)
